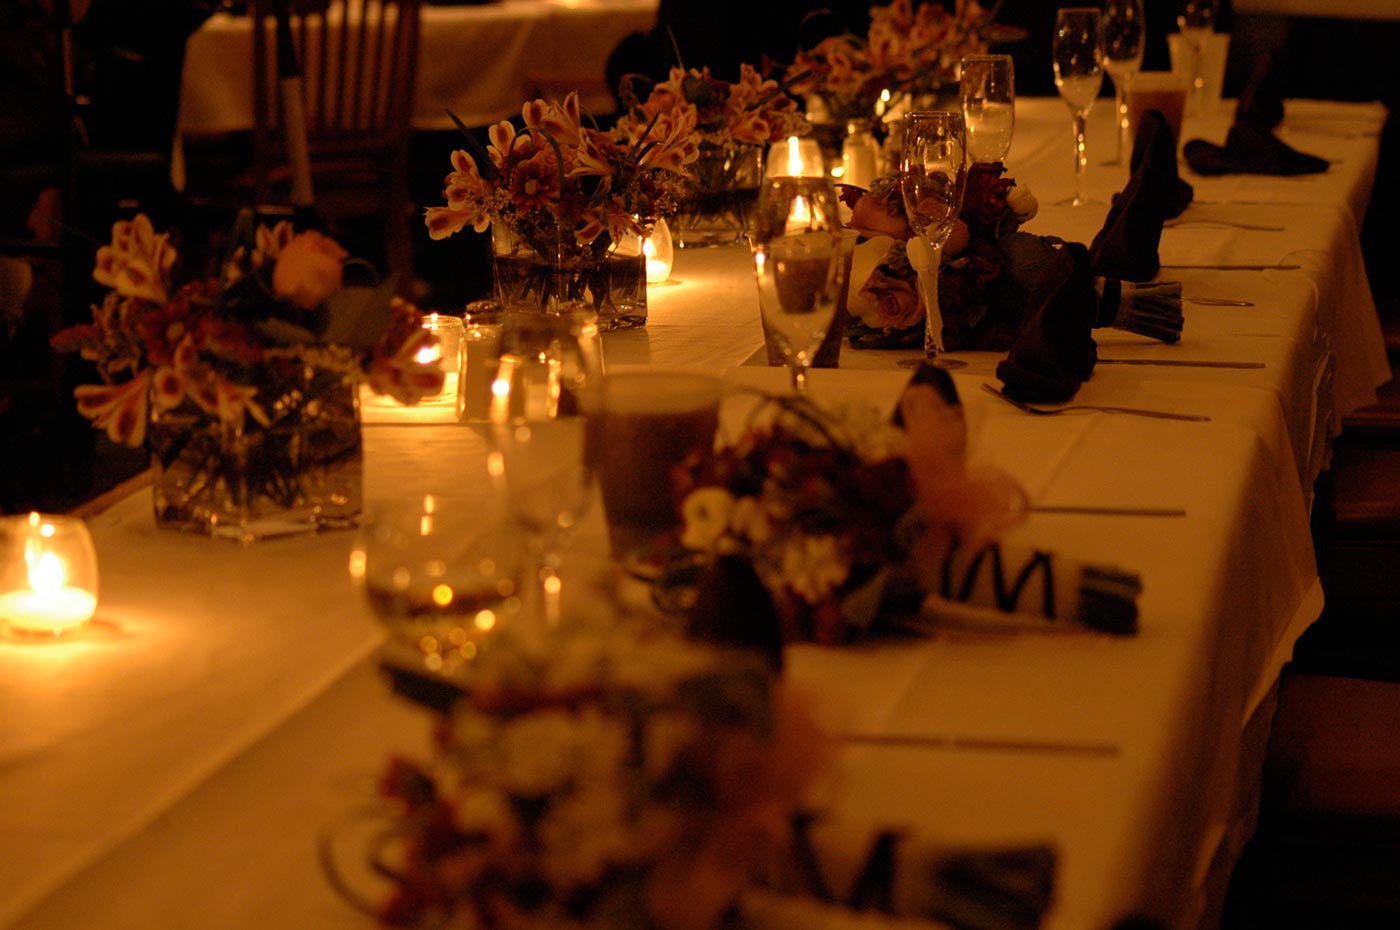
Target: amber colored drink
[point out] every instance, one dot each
(647, 425)
(1164, 92)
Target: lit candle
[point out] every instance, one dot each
(659, 252)
(48, 579)
(446, 351)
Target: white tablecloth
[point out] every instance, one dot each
(172, 766)
(477, 61)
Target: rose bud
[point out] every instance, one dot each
(308, 269)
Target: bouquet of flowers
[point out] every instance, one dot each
(230, 344)
(269, 349)
(630, 778)
(828, 506)
(562, 186)
(983, 244)
(908, 50)
(751, 111)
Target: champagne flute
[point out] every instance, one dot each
(797, 259)
(1078, 61)
(1124, 36)
(1196, 20)
(548, 369)
(988, 85)
(933, 179)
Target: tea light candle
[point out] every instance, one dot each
(449, 331)
(48, 577)
(660, 253)
(798, 157)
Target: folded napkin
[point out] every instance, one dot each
(1261, 99)
(1054, 351)
(1126, 246)
(1250, 146)
(1250, 150)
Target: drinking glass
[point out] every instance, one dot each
(1124, 36)
(1078, 59)
(1196, 20)
(441, 573)
(549, 365)
(933, 178)
(988, 86)
(796, 246)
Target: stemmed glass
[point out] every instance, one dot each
(797, 262)
(548, 370)
(1124, 36)
(1196, 20)
(988, 85)
(933, 178)
(1078, 60)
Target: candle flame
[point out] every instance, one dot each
(47, 573)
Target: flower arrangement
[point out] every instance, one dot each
(755, 110)
(828, 504)
(561, 185)
(629, 779)
(243, 385)
(229, 344)
(975, 259)
(908, 50)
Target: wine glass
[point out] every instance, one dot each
(797, 260)
(1078, 58)
(548, 369)
(933, 177)
(1196, 20)
(441, 573)
(1124, 36)
(988, 85)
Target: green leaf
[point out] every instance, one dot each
(282, 333)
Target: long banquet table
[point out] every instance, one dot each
(173, 765)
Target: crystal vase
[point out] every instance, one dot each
(246, 481)
(716, 205)
(607, 277)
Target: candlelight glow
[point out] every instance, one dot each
(48, 574)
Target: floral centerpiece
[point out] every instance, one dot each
(243, 385)
(566, 204)
(829, 506)
(886, 298)
(734, 121)
(627, 778)
(908, 51)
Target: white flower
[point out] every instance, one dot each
(812, 566)
(1022, 202)
(706, 513)
(750, 520)
(583, 833)
(539, 753)
(667, 734)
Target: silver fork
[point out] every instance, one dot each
(1227, 224)
(1071, 408)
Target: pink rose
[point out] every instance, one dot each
(308, 269)
(890, 301)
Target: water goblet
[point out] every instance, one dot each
(548, 366)
(988, 85)
(1077, 52)
(933, 178)
(1124, 36)
(797, 257)
(1196, 20)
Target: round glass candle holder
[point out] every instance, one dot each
(48, 574)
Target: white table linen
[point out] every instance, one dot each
(172, 766)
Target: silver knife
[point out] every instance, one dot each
(1238, 267)
(1178, 363)
(984, 744)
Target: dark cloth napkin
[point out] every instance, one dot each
(1251, 146)
(1054, 352)
(1125, 248)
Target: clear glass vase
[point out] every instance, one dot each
(606, 277)
(716, 206)
(245, 482)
